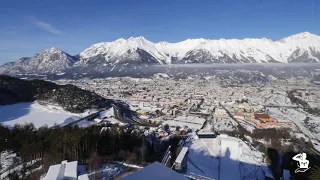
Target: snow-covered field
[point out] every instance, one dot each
(35, 113)
(224, 124)
(266, 98)
(297, 117)
(286, 115)
(216, 157)
(308, 124)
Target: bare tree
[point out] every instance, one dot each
(94, 162)
(131, 157)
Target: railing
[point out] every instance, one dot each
(166, 157)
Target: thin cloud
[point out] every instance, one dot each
(45, 26)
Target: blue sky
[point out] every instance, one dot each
(27, 27)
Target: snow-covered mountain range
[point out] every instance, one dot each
(299, 48)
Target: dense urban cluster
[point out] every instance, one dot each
(254, 106)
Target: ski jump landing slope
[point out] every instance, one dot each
(229, 162)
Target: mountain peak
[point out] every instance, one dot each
(118, 40)
(163, 43)
(303, 35)
(306, 33)
(52, 50)
(139, 38)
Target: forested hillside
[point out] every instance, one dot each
(52, 145)
(71, 98)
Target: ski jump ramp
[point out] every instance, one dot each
(229, 160)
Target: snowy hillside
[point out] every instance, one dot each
(35, 113)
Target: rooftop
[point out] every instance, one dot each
(155, 171)
(83, 177)
(53, 172)
(71, 169)
(238, 114)
(262, 116)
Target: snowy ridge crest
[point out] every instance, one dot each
(300, 48)
(214, 51)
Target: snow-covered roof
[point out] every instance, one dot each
(71, 170)
(190, 119)
(155, 171)
(64, 170)
(83, 177)
(205, 132)
(53, 172)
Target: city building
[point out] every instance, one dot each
(262, 117)
(239, 116)
(206, 134)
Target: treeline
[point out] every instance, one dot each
(295, 100)
(70, 143)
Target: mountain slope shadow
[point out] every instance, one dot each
(15, 111)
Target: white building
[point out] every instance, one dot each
(64, 171)
(192, 122)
